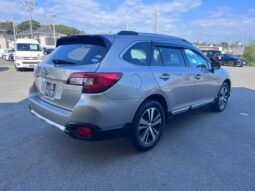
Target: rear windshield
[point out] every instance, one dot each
(217, 53)
(81, 54)
(28, 47)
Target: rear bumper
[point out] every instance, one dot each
(97, 133)
(107, 118)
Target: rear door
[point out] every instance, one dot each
(206, 82)
(173, 76)
(52, 75)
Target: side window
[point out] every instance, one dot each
(195, 60)
(156, 59)
(138, 54)
(172, 57)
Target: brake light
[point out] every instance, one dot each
(94, 82)
(84, 132)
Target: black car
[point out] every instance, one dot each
(232, 60)
(213, 55)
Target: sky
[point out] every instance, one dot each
(195, 20)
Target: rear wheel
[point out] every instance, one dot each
(221, 101)
(148, 125)
(232, 63)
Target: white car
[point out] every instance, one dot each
(1, 52)
(8, 54)
(28, 53)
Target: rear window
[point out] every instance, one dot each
(81, 54)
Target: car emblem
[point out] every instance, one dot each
(45, 72)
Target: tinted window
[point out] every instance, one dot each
(172, 57)
(195, 60)
(81, 54)
(28, 47)
(138, 54)
(156, 57)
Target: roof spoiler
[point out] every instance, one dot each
(84, 39)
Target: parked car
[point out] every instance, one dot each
(232, 60)
(1, 52)
(28, 53)
(8, 54)
(213, 55)
(96, 87)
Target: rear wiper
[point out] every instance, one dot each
(59, 61)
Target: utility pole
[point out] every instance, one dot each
(14, 28)
(156, 14)
(51, 18)
(29, 5)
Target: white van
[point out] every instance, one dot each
(28, 53)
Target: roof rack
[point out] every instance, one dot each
(127, 33)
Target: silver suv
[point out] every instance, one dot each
(104, 86)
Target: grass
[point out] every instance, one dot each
(251, 63)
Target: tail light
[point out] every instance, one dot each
(84, 132)
(94, 82)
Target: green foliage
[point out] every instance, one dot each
(249, 54)
(67, 30)
(25, 25)
(7, 26)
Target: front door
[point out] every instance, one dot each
(206, 84)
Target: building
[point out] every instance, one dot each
(209, 47)
(6, 40)
(44, 35)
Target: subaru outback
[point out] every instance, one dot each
(96, 87)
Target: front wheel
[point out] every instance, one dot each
(221, 101)
(148, 125)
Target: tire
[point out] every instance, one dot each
(148, 125)
(232, 63)
(221, 101)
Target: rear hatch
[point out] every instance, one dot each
(72, 54)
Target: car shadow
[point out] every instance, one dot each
(42, 138)
(2, 69)
(25, 70)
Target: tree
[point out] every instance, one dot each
(249, 54)
(7, 26)
(67, 30)
(224, 45)
(25, 25)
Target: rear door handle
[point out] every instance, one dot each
(198, 76)
(164, 76)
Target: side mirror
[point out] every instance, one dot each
(215, 65)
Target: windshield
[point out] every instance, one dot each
(81, 54)
(28, 47)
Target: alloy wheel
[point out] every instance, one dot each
(223, 98)
(149, 126)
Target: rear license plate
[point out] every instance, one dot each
(50, 88)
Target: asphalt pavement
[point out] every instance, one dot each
(199, 150)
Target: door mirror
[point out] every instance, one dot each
(215, 65)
